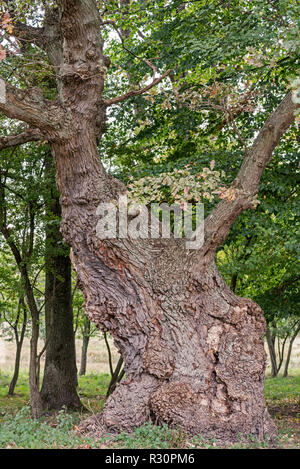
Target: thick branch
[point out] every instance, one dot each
(123, 97)
(30, 135)
(246, 184)
(47, 38)
(31, 107)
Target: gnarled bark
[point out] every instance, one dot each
(193, 351)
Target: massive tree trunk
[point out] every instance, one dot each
(193, 351)
(85, 344)
(59, 387)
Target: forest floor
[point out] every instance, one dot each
(60, 430)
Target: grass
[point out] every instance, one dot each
(58, 430)
(283, 400)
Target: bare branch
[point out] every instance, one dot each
(123, 97)
(29, 34)
(231, 119)
(30, 135)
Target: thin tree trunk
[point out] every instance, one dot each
(14, 379)
(117, 374)
(34, 379)
(22, 263)
(19, 345)
(233, 282)
(85, 344)
(109, 354)
(281, 349)
(116, 377)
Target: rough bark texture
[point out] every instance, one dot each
(59, 387)
(194, 356)
(193, 351)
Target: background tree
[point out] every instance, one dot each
(19, 208)
(13, 312)
(193, 350)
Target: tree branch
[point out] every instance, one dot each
(29, 34)
(30, 135)
(123, 34)
(129, 94)
(30, 106)
(246, 184)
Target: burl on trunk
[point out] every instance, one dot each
(193, 351)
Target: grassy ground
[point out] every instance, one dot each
(59, 430)
(97, 359)
(283, 400)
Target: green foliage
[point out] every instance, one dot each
(149, 436)
(178, 186)
(20, 431)
(280, 391)
(232, 62)
(92, 391)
